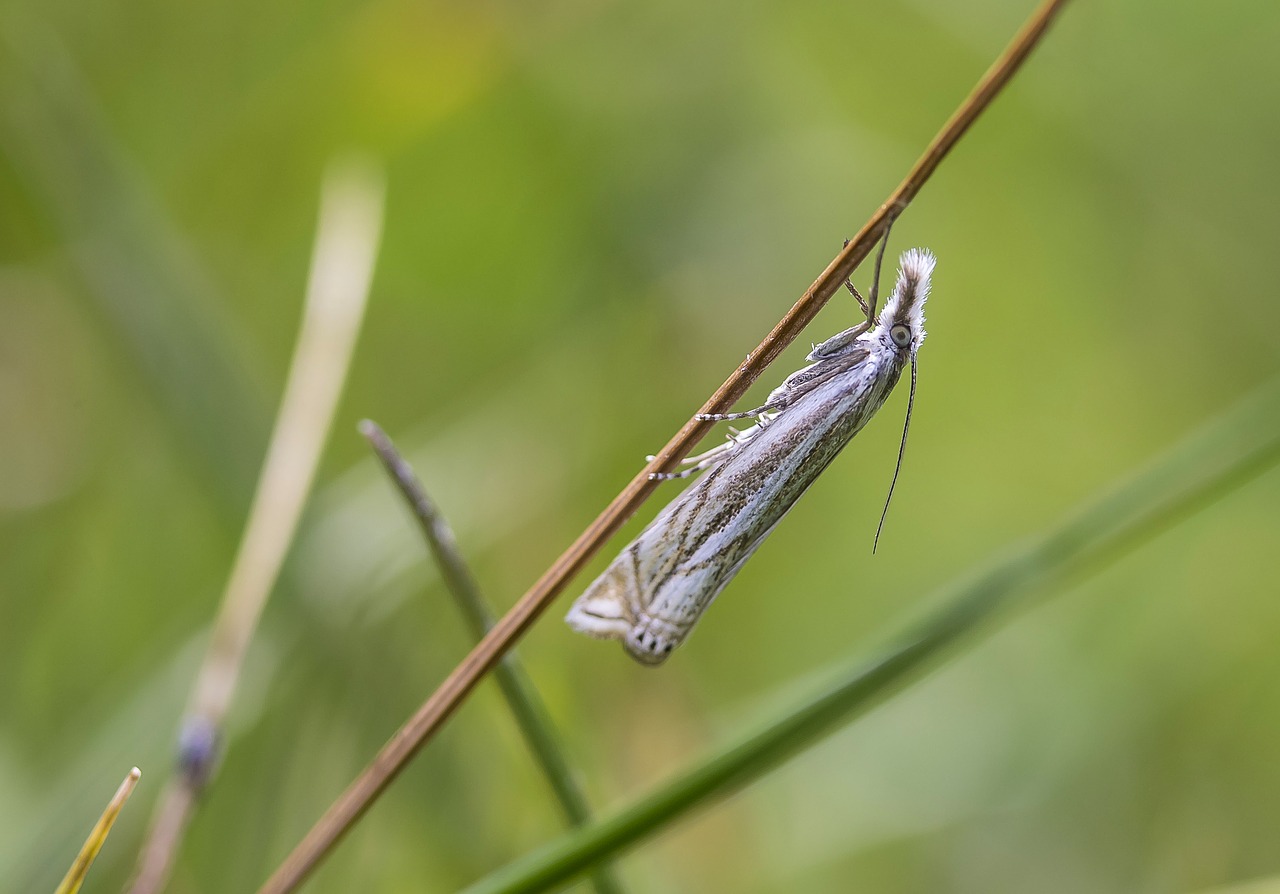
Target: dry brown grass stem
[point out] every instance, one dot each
(337, 290)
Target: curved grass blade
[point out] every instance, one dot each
(523, 700)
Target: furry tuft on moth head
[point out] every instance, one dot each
(906, 305)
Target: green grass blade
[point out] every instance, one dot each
(522, 698)
(1221, 456)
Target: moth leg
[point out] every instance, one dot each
(869, 306)
(672, 476)
(838, 343)
(757, 413)
(698, 457)
(697, 463)
(853, 290)
(862, 302)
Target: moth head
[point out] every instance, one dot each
(902, 320)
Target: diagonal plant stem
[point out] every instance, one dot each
(1221, 457)
(517, 688)
(337, 291)
(406, 742)
(98, 836)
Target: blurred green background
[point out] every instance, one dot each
(594, 211)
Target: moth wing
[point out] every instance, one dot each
(611, 606)
(804, 380)
(606, 610)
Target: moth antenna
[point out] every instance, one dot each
(902, 448)
(875, 282)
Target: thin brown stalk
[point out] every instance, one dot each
(337, 290)
(406, 742)
(98, 836)
(517, 687)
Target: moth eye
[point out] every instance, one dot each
(901, 335)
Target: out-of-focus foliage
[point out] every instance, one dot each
(594, 210)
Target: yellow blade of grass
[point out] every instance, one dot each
(89, 851)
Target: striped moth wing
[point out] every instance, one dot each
(657, 588)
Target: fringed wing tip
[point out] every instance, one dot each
(600, 614)
(647, 657)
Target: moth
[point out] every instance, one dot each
(657, 588)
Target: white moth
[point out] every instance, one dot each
(656, 589)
